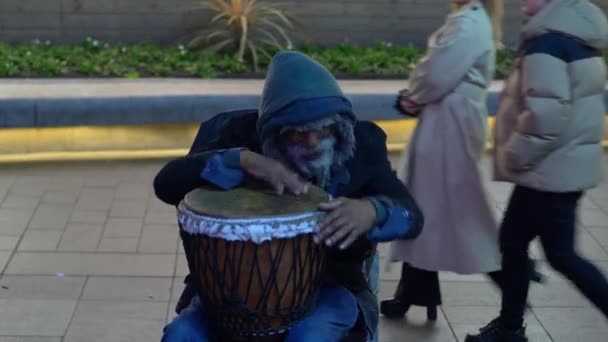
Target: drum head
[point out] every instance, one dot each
(251, 201)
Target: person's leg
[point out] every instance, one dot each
(497, 277)
(190, 326)
(516, 233)
(557, 235)
(374, 273)
(374, 284)
(336, 313)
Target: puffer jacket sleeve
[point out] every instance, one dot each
(449, 57)
(547, 104)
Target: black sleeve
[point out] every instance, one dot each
(384, 182)
(182, 175)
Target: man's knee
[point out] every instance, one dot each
(179, 331)
(335, 315)
(190, 326)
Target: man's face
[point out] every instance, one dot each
(311, 151)
(531, 7)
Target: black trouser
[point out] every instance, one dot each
(552, 217)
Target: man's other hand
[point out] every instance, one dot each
(346, 220)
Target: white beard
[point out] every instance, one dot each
(319, 169)
(334, 151)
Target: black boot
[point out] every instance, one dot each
(416, 287)
(397, 306)
(495, 331)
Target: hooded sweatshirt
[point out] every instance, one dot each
(550, 120)
(312, 102)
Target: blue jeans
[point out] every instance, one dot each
(372, 271)
(336, 313)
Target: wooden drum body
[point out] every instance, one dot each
(255, 260)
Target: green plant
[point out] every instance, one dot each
(504, 62)
(245, 25)
(99, 59)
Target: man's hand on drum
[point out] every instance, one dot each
(346, 220)
(272, 172)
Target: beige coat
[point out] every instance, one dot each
(442, 169)
(549, 124)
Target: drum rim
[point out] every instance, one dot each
(257, 230)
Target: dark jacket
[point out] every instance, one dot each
(369, 169)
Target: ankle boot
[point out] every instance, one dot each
(397, 306)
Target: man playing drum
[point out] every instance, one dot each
(304, 132)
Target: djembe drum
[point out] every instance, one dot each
(254, 257)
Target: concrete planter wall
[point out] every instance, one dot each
(165, 21)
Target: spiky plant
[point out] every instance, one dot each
(244, 26)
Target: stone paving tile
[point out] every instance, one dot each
(599, 193)
(40, 240)
(182, 266)
(161, 265)
(61, 196)
(600, 234)
(14, 221)
(97, 321)
(20, 202)
(8, 242)
(176, 292)
(457, 293)
(603, 205)
(67, 182)
(3, 194)
(95, 199)
(30, 185)
(41, 287)
(160, 213)
(88, 216)
(177, 289)
(587, 202)
(593, 217)
(166, 218)
(51, 216)
(81, 237)
(121, 244)
(135, 191)
(159, 239)
(29, 339)
(415, 327)
(105, 182)
(4, 256)
(35, 317)
(573, 324)
(128, 208)
(556, 294)
(122, 227)
(128, 289)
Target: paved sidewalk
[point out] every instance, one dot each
(88, 254)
